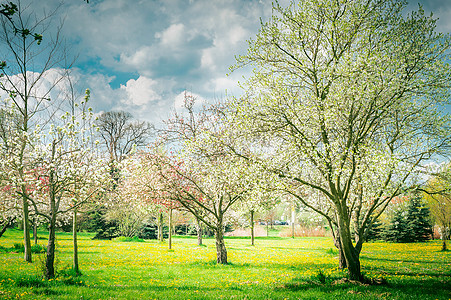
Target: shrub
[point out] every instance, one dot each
(128, 239)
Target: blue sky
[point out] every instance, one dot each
(141, 55)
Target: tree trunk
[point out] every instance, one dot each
(170, 228)
(221, 251)
(350, 254)
(199, 232)
(252, 227)
(74, 235)
(341, 257)
(50, 257)
(35, 231)
(26, 230)
(6, 225)
(444, 237)
(160, 227)
(267, 228)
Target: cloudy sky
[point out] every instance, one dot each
(141, 55)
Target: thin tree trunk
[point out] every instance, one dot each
(252, 227)
(267, 228)
(221, 251)
(199, 232)
(74, 235)
(160, 227)
(35, 231)
(444, 237)
(26, 230)
(170, 228)
(444, 248)
(50, 257)
(6, 225)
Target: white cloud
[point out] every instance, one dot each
(140, 91)
(174, 36)
(140, 56)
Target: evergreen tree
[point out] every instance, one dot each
(419, 225)
(411, 223)
(396, 229)
(375, 231)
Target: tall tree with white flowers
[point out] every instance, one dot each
(198, 169)
(29, 53)
(348, 95)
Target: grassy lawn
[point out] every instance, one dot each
(276, 268)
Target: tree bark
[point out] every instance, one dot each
(350, 254)
(444, 237)
(267, 228)
(444, 248)
(6, 225)
(199, 232)
(341, 257)
(252, 227)
(35, 231)
(26, 230)
(160, 227)
(221, 251)
(50, 257)
(75, 265)
(170, 228)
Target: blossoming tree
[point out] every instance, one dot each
(198, 170)
(348, 95)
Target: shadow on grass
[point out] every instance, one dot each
(158, 288)
(405, 288)
(398, 260)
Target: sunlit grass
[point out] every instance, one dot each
(275, 268)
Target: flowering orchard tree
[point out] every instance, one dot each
(437, 192)
(142, 189)
(199, 171)
(262, 198)
(29, 54)
(9, 209)
(348, 96)
(66, 174)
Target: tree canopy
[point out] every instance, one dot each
(347, 95)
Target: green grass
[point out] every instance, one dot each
(275, 268)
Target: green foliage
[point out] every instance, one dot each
(128, 239)
(332, 251)
(410, 224)
(375, 232)
(185, 229)
(149, 230)
(30, 281)
(95, 221)
(19, 248)
(319, 276)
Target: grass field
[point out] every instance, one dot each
(276, 268)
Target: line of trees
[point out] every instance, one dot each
(341, 113)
